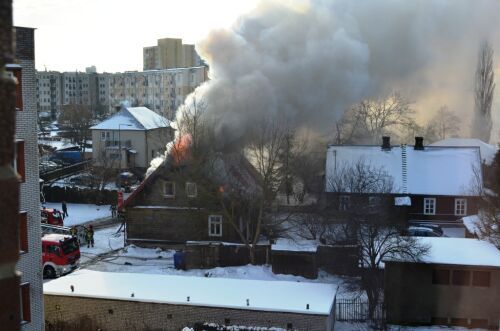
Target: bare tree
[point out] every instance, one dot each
(443, 125)
(374, 225)
(370, 119)
(76, 120)
(483, 93)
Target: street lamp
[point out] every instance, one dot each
(120, 143)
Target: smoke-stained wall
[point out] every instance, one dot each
(307, 61)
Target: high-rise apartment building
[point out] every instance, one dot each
(26, 165)
(49, 93)
(170, 53)
(159, 90)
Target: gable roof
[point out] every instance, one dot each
(487, 151)
(229, 170)
(133, 118)
(432, 171)
(458, 251)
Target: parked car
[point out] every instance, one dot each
(82, 179)
(421, 231)
(51, 216)
(48, 165)
(434, 227)
(60, 255)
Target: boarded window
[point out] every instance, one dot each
(169, 189)
(441, 277)
(25, 303)
(461, 277)
(481, 278)
(344, 202)
(191, 190)
(23, 232)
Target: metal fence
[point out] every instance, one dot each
(356, 310)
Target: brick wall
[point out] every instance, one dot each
(128, 315)
(26, 128)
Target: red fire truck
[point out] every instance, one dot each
(60, 254)
(51, 216)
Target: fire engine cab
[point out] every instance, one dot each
(60, 254)
(51, 216)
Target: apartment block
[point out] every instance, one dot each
(49, 93)
(159, 90)
(170, 53)
(26, 164)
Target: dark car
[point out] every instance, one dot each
(422, 231)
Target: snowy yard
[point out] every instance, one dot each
(79, 213)
(344, 326)
(132, 259)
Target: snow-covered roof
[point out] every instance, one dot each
(281, 296)
(432, 171)
(295, 245)
(133, 118)
(459, 251)
(487, 151)
(470, 223)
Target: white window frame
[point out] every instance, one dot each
(427, 208)
(195, 190)
(460, 203)
(215, 220)
(173, 189)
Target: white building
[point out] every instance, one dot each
(130, 138)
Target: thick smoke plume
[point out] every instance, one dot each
(307, 61)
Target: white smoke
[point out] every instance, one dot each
(308, 60)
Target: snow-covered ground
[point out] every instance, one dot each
(344, 326)
(79, 213)
(132, 259)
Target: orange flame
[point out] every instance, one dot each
(180, 149)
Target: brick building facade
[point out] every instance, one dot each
(27, 165)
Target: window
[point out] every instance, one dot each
(18, 162)
(17, 74)
(460, 277)
(344, 202)
(103, 135)
(215, 225)
(191, 190)
(374, 201)
(481, 278)
(441, 277)
(460, 207)
(25, 303)
(23, 232)
(169, 189)
(429, 206)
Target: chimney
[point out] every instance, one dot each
(386, 143)
(419, 143)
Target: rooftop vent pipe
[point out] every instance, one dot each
(419, 143)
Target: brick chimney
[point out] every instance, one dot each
(419, 143)
(386, 143)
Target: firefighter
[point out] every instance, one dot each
(73, 231)
(64, 209)
(90, 236)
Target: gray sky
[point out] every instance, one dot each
(74, 34)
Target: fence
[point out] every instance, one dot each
(356, 310)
